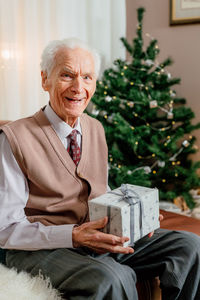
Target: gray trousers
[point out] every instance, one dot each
(81, 274)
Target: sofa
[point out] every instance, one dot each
(149, 289)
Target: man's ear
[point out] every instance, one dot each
(44, 80)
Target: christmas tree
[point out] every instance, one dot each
(148, 128)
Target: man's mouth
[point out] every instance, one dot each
(74, 99)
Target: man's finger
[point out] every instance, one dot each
(161, 217)
(98, 224)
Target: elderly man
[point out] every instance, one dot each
(52, 164)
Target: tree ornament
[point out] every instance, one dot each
(170, 115)
(122, 105)
(108, 98)
(95, 111)
(169, 76)
(161, 163)
(153, 104)
(110, 119)
(149, 62)
(185, 143)
(130, 104)
(147, 169)
(172, 94)
(103, 113)
(129, 172)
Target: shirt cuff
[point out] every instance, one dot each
(60, 236)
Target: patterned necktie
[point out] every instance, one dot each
(74, 149)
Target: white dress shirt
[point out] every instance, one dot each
(16, 232)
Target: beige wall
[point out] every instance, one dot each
(181, 43)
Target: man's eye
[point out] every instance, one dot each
(86, 77)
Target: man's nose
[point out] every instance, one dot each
(77, 85)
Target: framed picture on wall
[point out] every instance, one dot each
(184, 12)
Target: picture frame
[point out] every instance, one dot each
(184, 12)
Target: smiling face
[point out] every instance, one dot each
(71, 83)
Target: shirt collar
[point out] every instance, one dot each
(61, 128)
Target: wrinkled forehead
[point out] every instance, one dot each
(77, 59)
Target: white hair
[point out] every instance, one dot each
(49, 52)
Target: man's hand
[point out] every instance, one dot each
(88, 235)
(160, 219)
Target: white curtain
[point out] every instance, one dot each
(26, 26)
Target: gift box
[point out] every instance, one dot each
(132, 211)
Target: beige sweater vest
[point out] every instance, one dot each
(58, 191)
